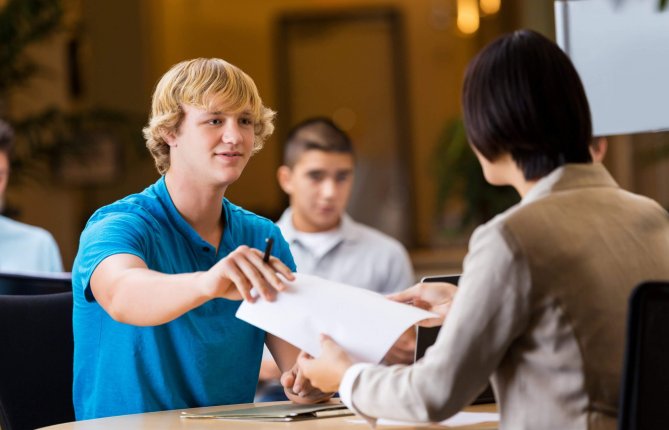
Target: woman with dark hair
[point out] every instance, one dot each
(541, 306)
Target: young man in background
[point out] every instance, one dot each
(317, 174)
(23, 248)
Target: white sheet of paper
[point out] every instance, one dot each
(459, 419)
(364, 323)
(469, 418)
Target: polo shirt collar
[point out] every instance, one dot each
(347, 230)
(348, 226)
(181, 224)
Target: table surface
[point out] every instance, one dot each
(171, 420)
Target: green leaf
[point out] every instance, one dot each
(22, 23)
(459, 177)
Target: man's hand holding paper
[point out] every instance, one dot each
(299, 389)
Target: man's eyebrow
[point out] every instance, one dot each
(220, 112)
(205, 114)
(337, 171)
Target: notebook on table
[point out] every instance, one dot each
(282, 412)
(426, 336)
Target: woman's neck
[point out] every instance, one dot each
(523, 187)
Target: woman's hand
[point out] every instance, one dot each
(326, 371)
(403, 350)
(435, 297)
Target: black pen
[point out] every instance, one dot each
(268, 249)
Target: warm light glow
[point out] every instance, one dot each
(345, 118)
(468, 16)
(490, 7)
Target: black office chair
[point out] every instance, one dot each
(644, 392)
(13, 283)
(36, 348)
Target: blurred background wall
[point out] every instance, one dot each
(388, 71)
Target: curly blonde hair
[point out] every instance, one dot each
(199, 83)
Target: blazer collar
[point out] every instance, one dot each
(571, 176)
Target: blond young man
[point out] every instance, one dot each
(160, 274)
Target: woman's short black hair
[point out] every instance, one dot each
(523, 96)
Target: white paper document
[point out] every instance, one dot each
(469, 418)
(364, 323)
(457, 420)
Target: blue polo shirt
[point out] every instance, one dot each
(205, 357)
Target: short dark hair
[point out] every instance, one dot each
(319, 133)
(523, 96)
(6, 138)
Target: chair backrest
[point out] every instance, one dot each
(426, 336)
(24, 284)
(36, 349)
(644, 391)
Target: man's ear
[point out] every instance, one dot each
(169, 137)
(284, 175)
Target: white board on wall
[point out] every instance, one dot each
(621, 51)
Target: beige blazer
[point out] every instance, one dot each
(540, 310)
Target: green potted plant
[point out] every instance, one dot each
(464, 198)
(52, 136)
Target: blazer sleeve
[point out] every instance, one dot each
(489, 311)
